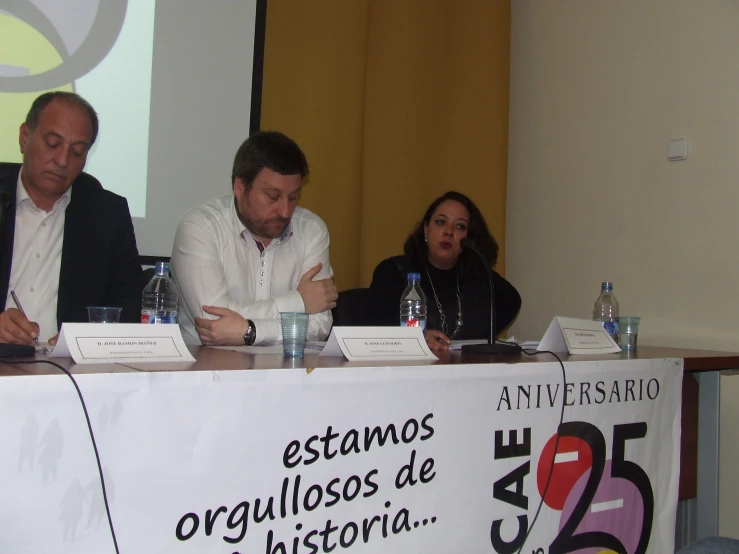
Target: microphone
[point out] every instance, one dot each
(491, 347)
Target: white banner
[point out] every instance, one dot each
(432, 459)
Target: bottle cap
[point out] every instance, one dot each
(162, 268)
(414, 276)
(606, 285)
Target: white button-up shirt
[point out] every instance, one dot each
(216, 262)
(37, 259)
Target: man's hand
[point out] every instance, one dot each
(15, 328)
(318, 296)
(437, 341)
(227, 330)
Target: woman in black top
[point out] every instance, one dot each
(454, 279)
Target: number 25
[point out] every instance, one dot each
(621, 468)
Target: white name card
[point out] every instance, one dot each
(91, 343)
(578, 336)
(378, 343)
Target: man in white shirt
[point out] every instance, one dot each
(241, 259)
(66, 243)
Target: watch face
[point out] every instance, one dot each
(250, 335)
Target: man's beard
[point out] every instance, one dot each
(265, 228)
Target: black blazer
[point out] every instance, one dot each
(100, 262)
(390, 279)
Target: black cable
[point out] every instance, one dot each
(556, 442)
(10, 361)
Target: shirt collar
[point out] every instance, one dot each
(287, 233)
(21, 195)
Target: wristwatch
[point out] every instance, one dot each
(251, 333)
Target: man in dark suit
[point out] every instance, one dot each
(67, 244)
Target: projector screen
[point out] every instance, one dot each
(176, 84)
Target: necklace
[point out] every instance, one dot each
(442, 316)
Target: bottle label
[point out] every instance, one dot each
(611, 328)
(154, 318)
(414, 323)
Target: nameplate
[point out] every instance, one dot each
(93, 343)
(378, 343)
(578, 336)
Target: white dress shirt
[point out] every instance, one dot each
(37, 258)
(216, 262)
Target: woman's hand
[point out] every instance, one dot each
(437, 341)
(228, 329)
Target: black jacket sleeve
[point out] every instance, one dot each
(100, 262)
(125, 283)
(507, 303)
(388, 284)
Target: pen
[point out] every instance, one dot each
(20, 308)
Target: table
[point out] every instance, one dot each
(210, 359)
(705, 418)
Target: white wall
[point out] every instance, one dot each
(598, 89)
(200, 110)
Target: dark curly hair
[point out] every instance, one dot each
(477, 231)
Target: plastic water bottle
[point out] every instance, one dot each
(605, 310)
(413, 304)
(160, 298)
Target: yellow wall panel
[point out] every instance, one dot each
(394, 103)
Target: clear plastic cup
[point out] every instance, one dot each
(294, 332)
(103, 314)
(628, 332)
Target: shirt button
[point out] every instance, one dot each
(43, 224)
(260, 283)
(38, 255)
(262, 273)
(262, 263)
(32, 289)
